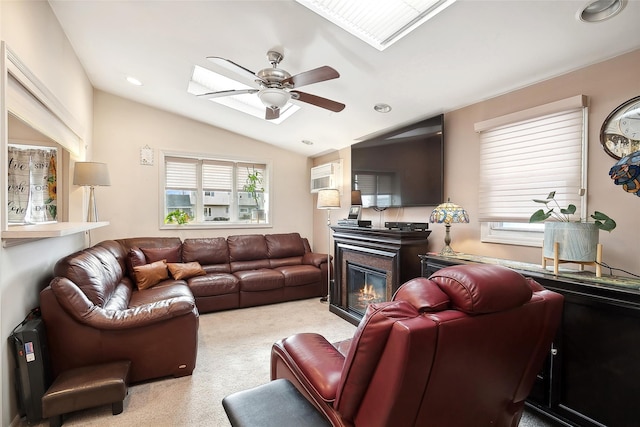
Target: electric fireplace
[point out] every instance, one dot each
(365, 286)
(370, 265)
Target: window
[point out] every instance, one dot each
(212, 191)
(524, 156)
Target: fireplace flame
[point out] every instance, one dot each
(368, 294)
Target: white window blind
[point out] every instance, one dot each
(181, 173)
(217, 176)
(527, 159)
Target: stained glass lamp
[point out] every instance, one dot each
(448, 213)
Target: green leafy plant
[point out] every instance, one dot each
(254, 184)
(602, 221)
(177, 217)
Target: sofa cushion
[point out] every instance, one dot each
(256, 264)
(169, 254)
(206, 251)
(185, 270)
(149, 275)
(248, 247)
(259, 280)
(95, 271)
(282, 262)
(168, 289)
(214, 284)
(284, 245)
(299, 275)
(135, 258)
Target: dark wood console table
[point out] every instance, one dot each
(592, 374)
(392, 253)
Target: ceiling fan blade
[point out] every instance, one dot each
(272, 114)
(232, 66)
(316, 75)
(221, 93)
(317, 101)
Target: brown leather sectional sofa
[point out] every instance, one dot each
(94, 312)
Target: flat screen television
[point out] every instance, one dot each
(401, 168)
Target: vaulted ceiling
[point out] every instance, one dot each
(472, 51)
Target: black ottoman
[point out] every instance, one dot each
(86, 387)
(275, 404)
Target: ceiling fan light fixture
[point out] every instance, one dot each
(274, 98)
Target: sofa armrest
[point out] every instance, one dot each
(313, 360)
(312, 258)
(81, 309)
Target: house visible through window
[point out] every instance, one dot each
(525, 156)
(212, 191)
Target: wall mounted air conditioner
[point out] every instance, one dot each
(326, 176)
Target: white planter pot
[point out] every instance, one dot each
(577, 241)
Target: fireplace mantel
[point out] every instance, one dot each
(392, 251)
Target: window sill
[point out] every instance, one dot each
(17, 234)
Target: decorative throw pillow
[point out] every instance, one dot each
(169, 254)
(135, 258)
(149, 275)
(185, 270)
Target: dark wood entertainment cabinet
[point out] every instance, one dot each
(592, 374)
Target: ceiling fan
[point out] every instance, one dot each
(275, 86)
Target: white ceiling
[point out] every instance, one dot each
(474, 50)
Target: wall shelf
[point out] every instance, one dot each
(17, 234)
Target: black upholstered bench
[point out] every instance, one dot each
(275, 404)
(86, 387)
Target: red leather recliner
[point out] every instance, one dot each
(461, 348)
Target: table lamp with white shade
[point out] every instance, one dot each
(328, 199)
(91, 174)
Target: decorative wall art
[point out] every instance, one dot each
(32, 184)
(627, 173)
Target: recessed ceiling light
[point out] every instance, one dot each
(381, 25)
(382, 108)
(307, 142)
(599, 10)
(134, 81)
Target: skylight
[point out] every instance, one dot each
(204, 81)
(379, 23)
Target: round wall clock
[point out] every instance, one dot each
(620, 132)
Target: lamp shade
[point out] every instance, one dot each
(274, 98)
(449, 213)
(91, 174)
(356, 198)
(328, 199)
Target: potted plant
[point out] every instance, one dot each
(577, 240)
(253, 186)
(177, 217)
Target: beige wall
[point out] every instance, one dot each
(32, 32)
(607, 85)
(131, 203)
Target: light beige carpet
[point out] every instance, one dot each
(233, 354)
